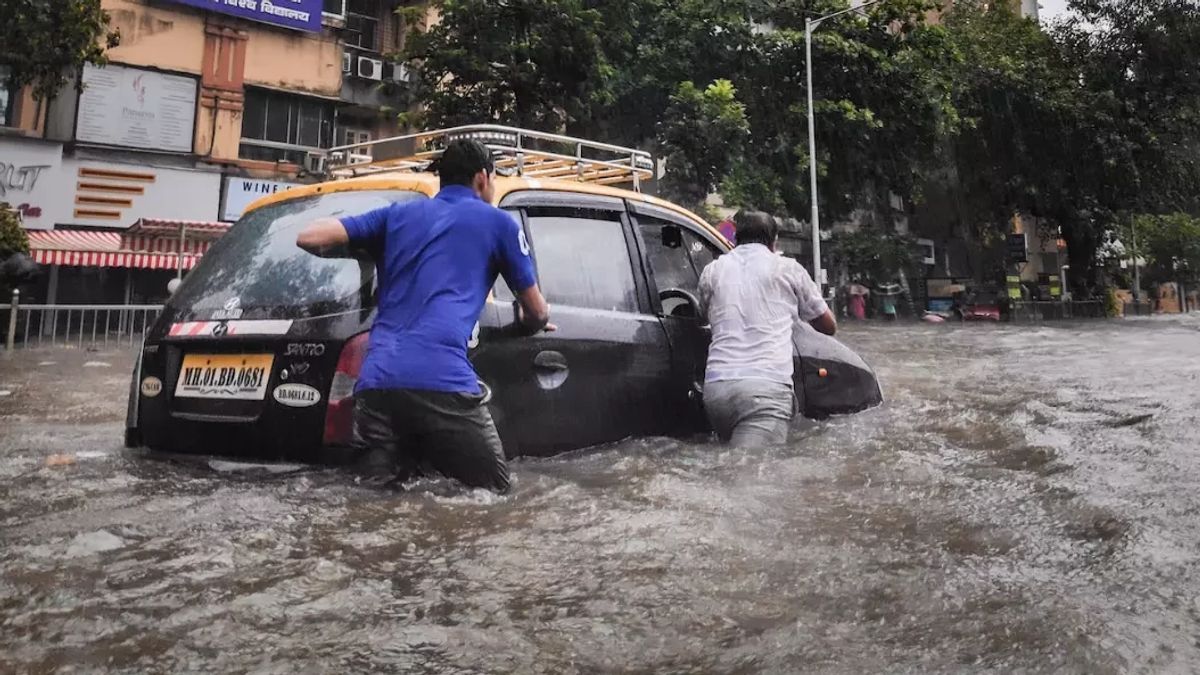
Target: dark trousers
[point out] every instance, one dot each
(404, 432)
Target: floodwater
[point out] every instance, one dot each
(1027, 500)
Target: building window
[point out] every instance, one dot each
(282, 127)
(334, 8)
(362, 24)
(8, 98)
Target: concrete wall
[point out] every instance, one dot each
(167, 37)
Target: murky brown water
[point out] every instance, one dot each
(1010, 509)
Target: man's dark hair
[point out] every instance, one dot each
(756, 227)
(461, 160)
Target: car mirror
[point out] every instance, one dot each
(672, 237)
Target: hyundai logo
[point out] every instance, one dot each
(221, 329)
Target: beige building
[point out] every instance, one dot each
(203, 107)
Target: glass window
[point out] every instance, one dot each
(335, 7)
(582, 259)
(304, 123)
(258, 261)
(362, 30)
(701, 251)
(670, 261)
(7, 98)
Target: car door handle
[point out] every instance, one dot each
(550, 361)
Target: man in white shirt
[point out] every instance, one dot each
(752, 297)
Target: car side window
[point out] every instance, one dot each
(668, 255)
(582, 258)
(500, 289)
(701, 251)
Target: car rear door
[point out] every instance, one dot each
(676, 252)
(605, 373)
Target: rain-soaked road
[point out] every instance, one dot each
(1028, 499)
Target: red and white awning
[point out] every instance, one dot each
(104, 249)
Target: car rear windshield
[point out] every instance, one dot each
(258, 262)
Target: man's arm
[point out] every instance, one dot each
(811, 305)
(825, 323)
(533, 311)
(333, 237)
(325, 237)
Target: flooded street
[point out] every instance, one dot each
(1028, 499)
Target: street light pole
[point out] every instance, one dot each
(815, 219)
(811, 24)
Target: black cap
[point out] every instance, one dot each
(461, 160)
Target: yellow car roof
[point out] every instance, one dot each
(427, 184)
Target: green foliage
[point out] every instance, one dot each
(701, 136)
(532, 63)
(1112, 304)
(1170, 244)
(874, 256)
(42, 41)
(12, 236)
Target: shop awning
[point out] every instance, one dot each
(107, 249)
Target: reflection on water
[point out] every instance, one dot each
(1026, 500)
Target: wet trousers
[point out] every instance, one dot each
(402, 433)
(750, 413)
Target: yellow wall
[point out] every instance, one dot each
(301, 62)
(166, 37)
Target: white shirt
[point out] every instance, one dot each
(752, 297)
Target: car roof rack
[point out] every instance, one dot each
(519, 152)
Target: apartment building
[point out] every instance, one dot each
(205, 106)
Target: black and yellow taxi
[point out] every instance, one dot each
(257, 352)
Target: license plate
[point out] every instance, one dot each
(225, 376)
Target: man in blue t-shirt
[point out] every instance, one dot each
(418, 400)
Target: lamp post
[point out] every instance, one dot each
(811, 24)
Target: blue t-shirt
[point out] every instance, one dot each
(438, 259)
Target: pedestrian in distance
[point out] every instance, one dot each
(418, 400)
(752, 298)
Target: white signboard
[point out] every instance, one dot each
(31, 180)
(112, 195)
(137, 109)
(240, 192)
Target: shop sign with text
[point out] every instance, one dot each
(295, 14)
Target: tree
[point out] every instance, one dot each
(1171, 246)
(12, 236)
(880, 100)
(533, 63)
(701, 136)
(43, 41)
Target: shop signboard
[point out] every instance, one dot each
(295, 14)
(117, 195)
(136, 108)
(1018, 250)
(31, 180)
(240, 192)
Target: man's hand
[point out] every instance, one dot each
(533, 313)
(325, 237)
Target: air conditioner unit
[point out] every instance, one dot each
(401, 73)
(347, 63)
(314, 163)
(370, 69)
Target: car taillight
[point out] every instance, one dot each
(339, 415)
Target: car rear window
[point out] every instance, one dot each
(258, 261)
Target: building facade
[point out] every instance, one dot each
(204, 107)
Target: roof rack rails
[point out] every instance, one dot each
(521, 152)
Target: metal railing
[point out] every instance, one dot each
(534, 154)
(115, 326)
(1055, 310)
